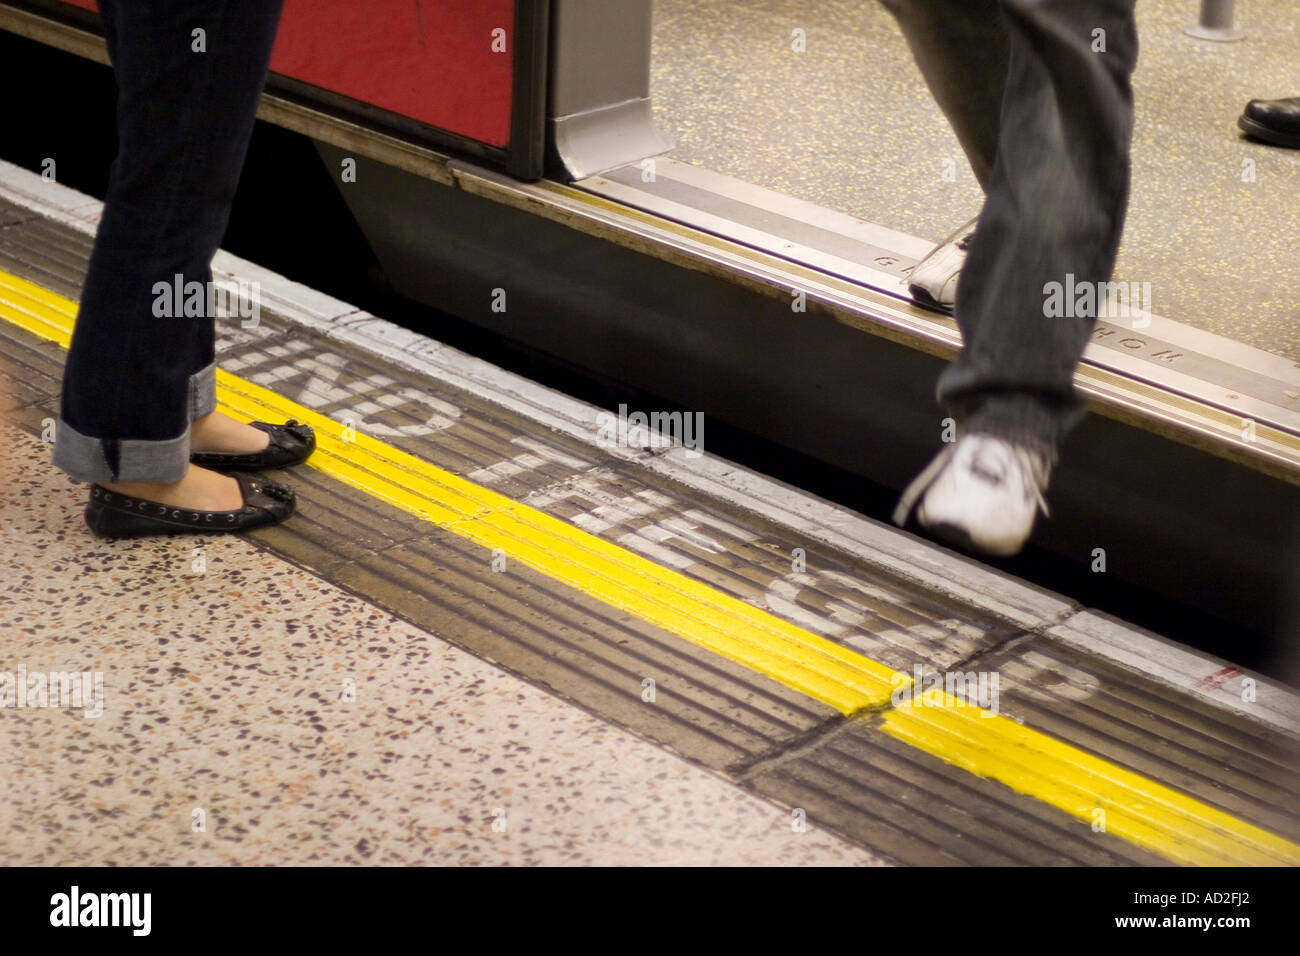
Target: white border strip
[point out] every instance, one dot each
(875, 544)
(1206, 678)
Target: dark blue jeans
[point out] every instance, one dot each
(1038, 93)
(187, 100)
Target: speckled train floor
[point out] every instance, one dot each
(300, 725)
(1213, 223)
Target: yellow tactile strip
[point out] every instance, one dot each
(1137, 809)
(1107, 796)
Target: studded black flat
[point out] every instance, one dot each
(110, 514)
(291, 444)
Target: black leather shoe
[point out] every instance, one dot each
(1274, 121)
(290, 444)
(111, 514)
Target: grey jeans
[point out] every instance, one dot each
(1039, 95)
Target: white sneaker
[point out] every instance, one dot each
(982, 492)
(933, 281)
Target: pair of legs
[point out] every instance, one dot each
(1038, 93)
(139, 386)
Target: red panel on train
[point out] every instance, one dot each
(431, 60)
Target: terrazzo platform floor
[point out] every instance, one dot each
(850, 125)
(222, 693)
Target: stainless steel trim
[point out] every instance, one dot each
(791, 207)
(599, 97)
(1248, 392)
(828, 250)
(587, 143)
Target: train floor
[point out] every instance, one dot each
(506, 628)
(849, 124)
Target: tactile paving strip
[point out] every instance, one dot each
(921, 810)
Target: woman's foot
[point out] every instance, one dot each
(217, 432)
(202, 502)
(226, 445)
(199, 490)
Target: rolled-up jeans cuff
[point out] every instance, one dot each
(162, 462)
(91, 459)
(203, 392)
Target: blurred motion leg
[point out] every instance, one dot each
(1056, 198)
(962, 50)
(1056, 204)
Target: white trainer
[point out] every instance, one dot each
(933, 281)
(982, 493)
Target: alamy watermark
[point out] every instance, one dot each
(950, 689)
(198, 300)
(82, 690)
(130, 910)
(1098, 300)
(654, 430)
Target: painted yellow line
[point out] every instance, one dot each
(1108, 797)
(37, 310)
(820, 668)
(1139, 810)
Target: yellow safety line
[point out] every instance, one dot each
(1135, 808)
(1112, 799)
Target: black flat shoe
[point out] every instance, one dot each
(291, 444)
(110, 514)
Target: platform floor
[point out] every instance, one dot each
(222, 694)
(599, 638)
(851, 126)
